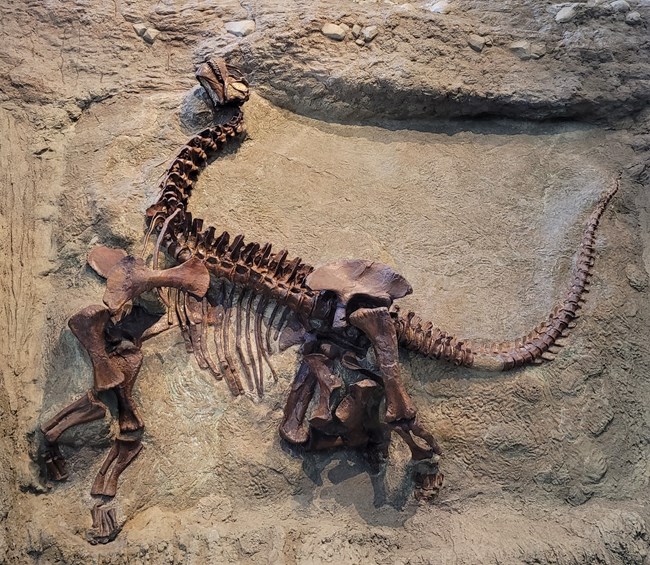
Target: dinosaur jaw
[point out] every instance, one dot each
(224, 83)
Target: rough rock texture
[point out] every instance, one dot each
(482, 216)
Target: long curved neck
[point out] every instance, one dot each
(249, 265)
(169, 214)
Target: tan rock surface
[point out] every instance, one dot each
(482, 216)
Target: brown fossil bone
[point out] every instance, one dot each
(319, 441)
(357, 412)
(377, 324)
(224, 83)
(412, 429)
(351, 411)
(124, 451)
(89, 326)
(102, 259)
(427, 484)
(131, 277)
(55, 463)
(292, 428)
(85, 409)
(128, 358)
(328, 383)
(105, 527)
(358, 283)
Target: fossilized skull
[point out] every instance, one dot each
(358, 284)
(224, 83)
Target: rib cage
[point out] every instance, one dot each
(251, 279)
(533, 348)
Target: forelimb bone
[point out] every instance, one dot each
(129, 360)
(123, 452)
(302, 390)
(89, 326)
(328, 383)
(85, 409)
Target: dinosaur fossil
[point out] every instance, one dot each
(256, 301)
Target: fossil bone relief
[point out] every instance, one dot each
(237, 303)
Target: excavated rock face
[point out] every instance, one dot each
(346, 157)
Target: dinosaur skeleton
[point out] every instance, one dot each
(336, 312)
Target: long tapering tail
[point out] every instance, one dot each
(432, 342)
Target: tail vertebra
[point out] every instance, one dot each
(533, 348)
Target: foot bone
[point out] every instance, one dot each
(409, 430)
(105, 527)
(428, 482)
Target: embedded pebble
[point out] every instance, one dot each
(566, 14)
(521, 48)
(630, 309)
(241, 28)
(476, 42)
(369, 33)
(333, 31)
(360, 42)
(537, 50)
(150, 34)
(579, 494)
(633, 18)
(356, 30)
(440, 7)
(140, 29)
(620, 6)
(526, 50)
(637, 277)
